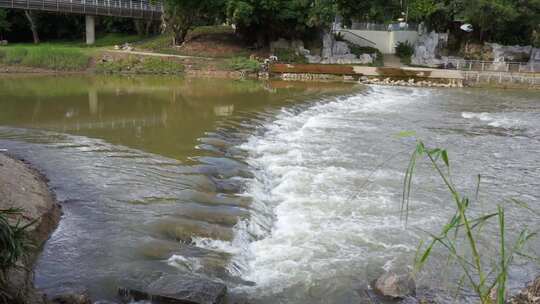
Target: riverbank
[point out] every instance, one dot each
(215, 51)
(24, 188)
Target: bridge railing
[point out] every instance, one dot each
(120, 8)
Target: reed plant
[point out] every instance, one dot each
(14, 245)
(461, 235)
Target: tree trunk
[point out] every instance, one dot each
(35, 35)
(180, 35)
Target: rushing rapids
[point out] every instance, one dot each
(284, 192)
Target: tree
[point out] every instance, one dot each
(181, 15)
(5, 25)
(30, 16)
(377, 11)
(266, 20)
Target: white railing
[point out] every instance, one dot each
(121, 8)
(366, 26)
(491, 66)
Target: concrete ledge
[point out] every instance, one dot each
(356, 70)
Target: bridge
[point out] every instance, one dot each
(137, 9)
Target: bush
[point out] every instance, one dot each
(243, 64)
(359, 50)
(404, 50)
(289, 56)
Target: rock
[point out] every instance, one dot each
(72, 298)
(279, 44)
(340, 48)
(395, 286)
(328, 44)
(3, 42)
(178, 289)
(529, 295)
(366, 58)
(426, 49)
(504, 53)
(313, 58)
(297, 44)
(302, 51)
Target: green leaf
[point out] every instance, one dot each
(404, 134)
(444, 156)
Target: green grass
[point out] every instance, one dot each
(106, 40)
(135, 65)
(242, 64)
(157, 43)
(45, 56)
(461, 236)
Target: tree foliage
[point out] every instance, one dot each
(264, 20)
(503, 21)
(182, 15)
(5, 25)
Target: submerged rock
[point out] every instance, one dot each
(529, 295)
(395, 286)
(178, 289)
(72, 298)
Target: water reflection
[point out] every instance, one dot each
(158, 115)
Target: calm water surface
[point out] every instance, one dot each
(286, 192)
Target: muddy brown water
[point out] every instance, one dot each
(286, 192)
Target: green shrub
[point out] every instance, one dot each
(359, 50)
(243, 64)
(404, 50)
(289, 56)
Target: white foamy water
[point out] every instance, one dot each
(494, 120)
(327, 193)
(309, 178)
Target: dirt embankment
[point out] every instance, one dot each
(25, 188)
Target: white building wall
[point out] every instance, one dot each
(385, 41)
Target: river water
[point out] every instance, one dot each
(286, 192)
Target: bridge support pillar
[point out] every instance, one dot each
(90, 29)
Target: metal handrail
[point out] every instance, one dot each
(356, 35)
(492, 66)
(135, 8)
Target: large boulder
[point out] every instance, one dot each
(340, 48)
(279, 44)
(426, 50)
(394, 285)
(178, 289)
(503, 53)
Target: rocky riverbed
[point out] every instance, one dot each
(24, 188)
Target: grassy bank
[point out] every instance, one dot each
(137, 65)
(45, 56)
